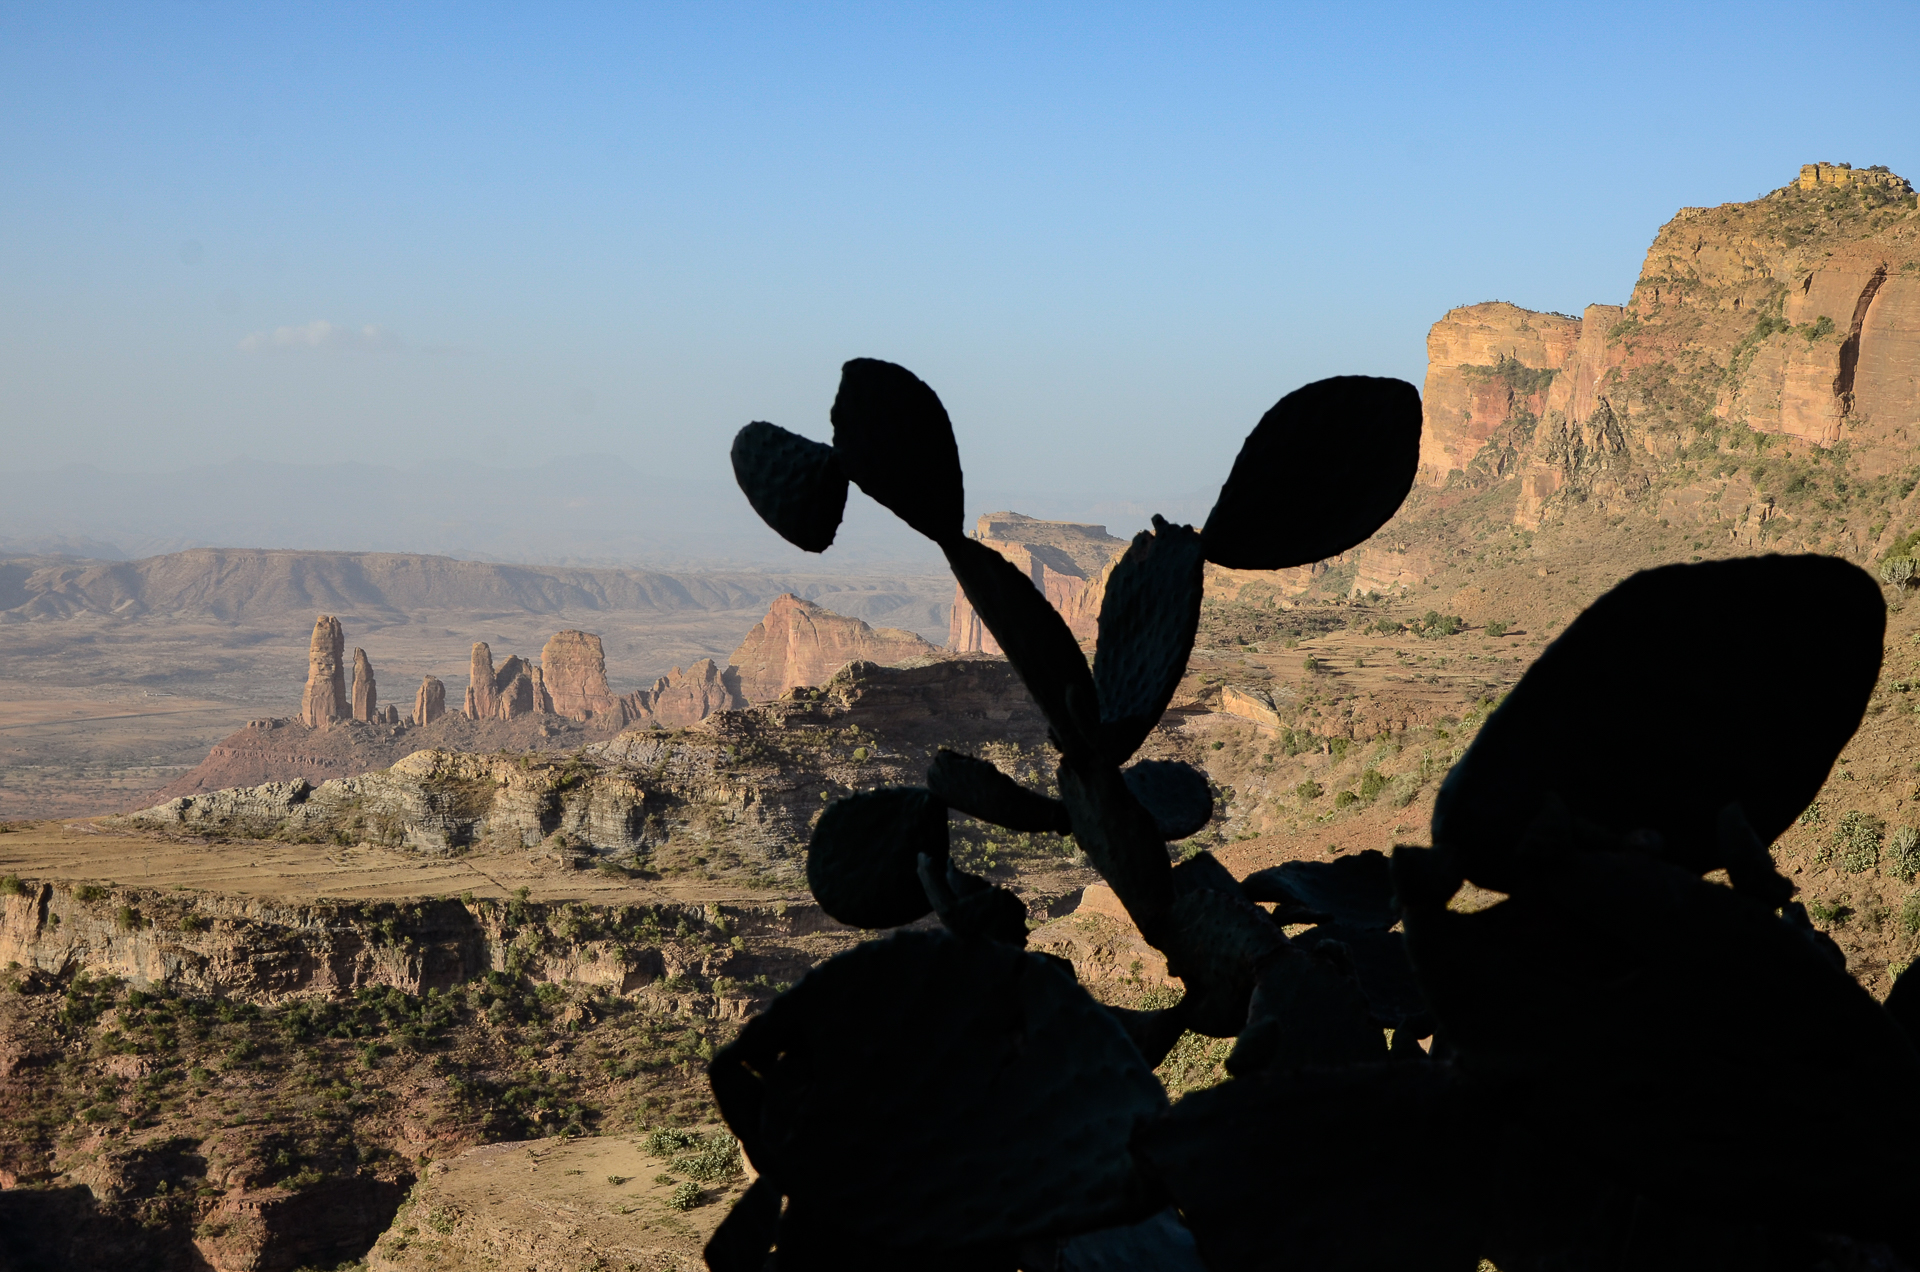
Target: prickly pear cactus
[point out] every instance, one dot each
(1586, 1074)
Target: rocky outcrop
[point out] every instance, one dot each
(682, 698)
(1066, 560)
(503, 693)
(574, 666)
(324, 703)
(430, 702)
(366, 695)
(1795, 316)
(800, 644)
(513, 689)
(737, 777)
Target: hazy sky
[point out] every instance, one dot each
(1109, 235)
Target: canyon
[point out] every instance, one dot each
(435, 997)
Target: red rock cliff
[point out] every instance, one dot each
(1795, 316)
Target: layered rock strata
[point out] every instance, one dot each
(325, 701)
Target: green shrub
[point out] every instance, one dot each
(1311, 663)
(685, 1197)
(90, 892)
(1903, 852)
(191, 923)
(1910, 915)
(1345, 799)
(1496, 628)
(1855, 845)
(1308, 790)
(1824, 913)
(1371, 784)
(127, 919)
(12, 887)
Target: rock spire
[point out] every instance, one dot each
(366, 696)
(482, 699)
(325, 702)
(430, 703)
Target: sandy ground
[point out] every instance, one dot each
(535, 1205)
(76, 750)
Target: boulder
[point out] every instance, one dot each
(800, 644)
(574, 666)
(325, 702)
(366, 696)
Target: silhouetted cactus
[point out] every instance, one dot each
(1612, 1044)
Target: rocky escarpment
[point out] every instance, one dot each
(242, 1082)
(560, 702)
(1763, 376)
(734, 795)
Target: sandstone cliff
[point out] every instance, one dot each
(1760, 337)
(800, 644)
(1066, 560)
(325, 700)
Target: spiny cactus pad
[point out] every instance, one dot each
(793, 482)
(1178, 795)
(1355, 890)
(1322, 471)
(892, 437)
(975, 787)
(1646, 717)
(863, 861)
(926, 1093)
(1148, 618)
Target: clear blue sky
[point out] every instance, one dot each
(1109, 235)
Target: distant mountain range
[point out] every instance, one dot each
(574, 511)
